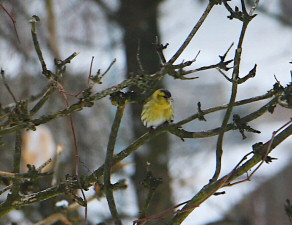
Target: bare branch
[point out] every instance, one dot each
(209, 189)
(109, 162)
(235, 75)
(192, 33)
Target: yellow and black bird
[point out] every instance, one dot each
(158, 109)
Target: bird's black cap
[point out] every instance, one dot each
(166, 92)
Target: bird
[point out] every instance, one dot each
(158, 109)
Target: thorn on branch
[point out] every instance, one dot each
(242, 126)
(242, 15)
(159, 49)
(200, 113)
(269, 159)
(222, 64)
(277, 87)
(178, 72)
(285, 98)
(251, 74)
(277, 90)
(187, 63)
(219, 193)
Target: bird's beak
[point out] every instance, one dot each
(170, 99)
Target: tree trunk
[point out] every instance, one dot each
(139, 21)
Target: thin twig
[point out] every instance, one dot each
(13, 21)
(160, 215)
(7, 86)
(97, 78)
(39, 169)
(43, 99)
(192, 33)
(159, 50)
(36, 44)
(77, 157)
(90, 70)
(222, 64)
(108, 69)
(203, 68)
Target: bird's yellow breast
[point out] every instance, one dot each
(157, 112)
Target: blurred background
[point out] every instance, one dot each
(114, 29)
